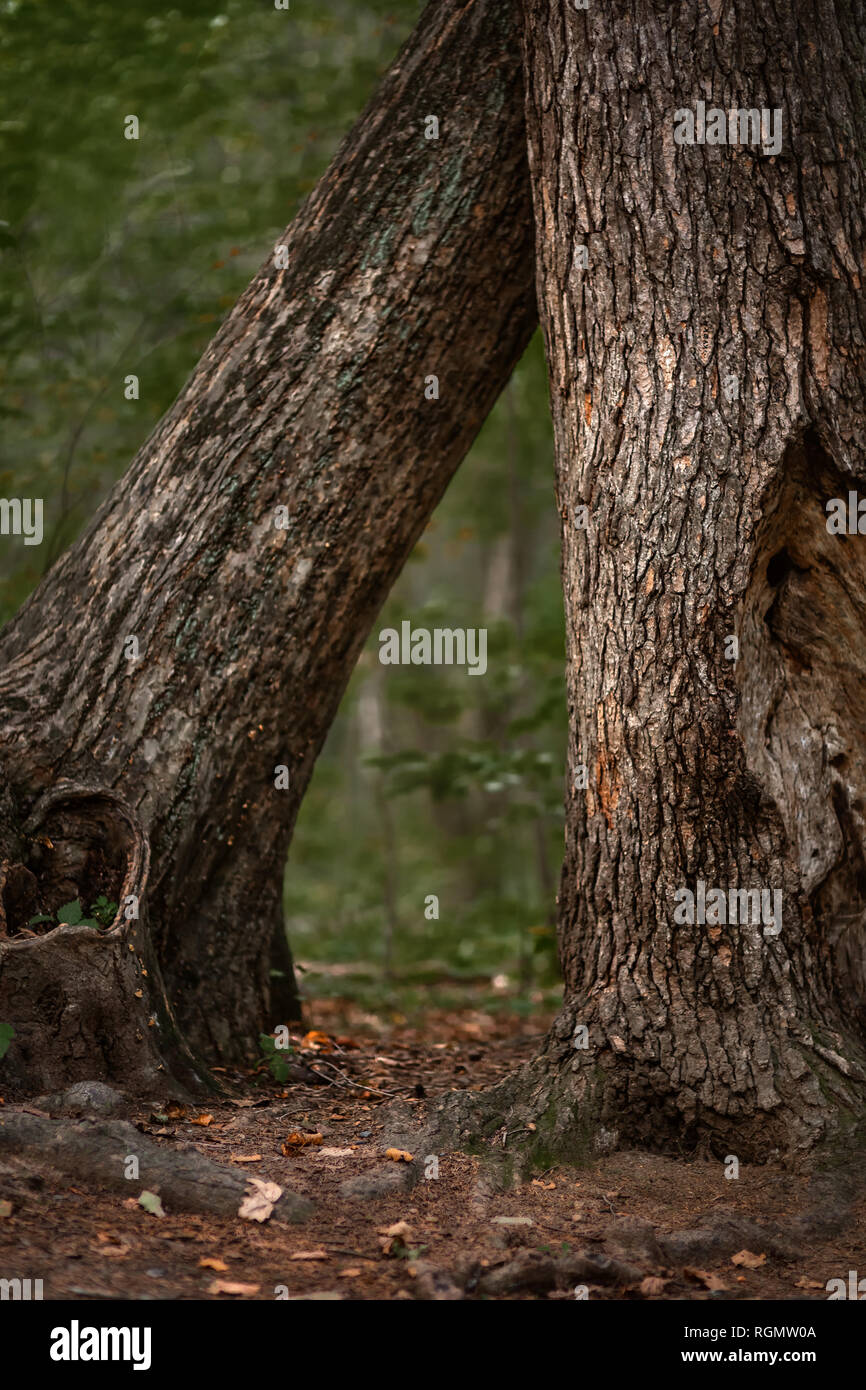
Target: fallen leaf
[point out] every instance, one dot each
(5, 1207)
(246, 1158)
(211, 1262)
(804, 1283)
(260, 1200)
(748, 1260)
(392, 1236)
(335, 1153)
(202, 1120)
(709, 1281)
(398, 1155)
(317, 1041)
(652, 1286)
(297, 1140)
(350, 1273)
(310, 1255)
(151, 1203)
(548, 1186)
(113, 1252)
(229, 1286)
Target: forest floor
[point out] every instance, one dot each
(630, 1226)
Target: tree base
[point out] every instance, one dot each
(567, 1106)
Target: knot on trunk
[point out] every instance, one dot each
(83, 853)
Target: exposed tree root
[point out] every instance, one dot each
(99, 1152)
(638, 1257)
(572, 1107)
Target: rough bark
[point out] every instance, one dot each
(412, 258)
(706, 519)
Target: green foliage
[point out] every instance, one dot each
(434, 782)
(102, 914)
(120, 257)
(276, 1057)
(103, 910)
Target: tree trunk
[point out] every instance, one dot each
(151, 771)
(707, 387)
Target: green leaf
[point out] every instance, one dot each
(104, 911)
(279, 1067)
(40, 917)
(7, 1033)
(70, 913)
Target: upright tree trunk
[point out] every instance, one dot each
(150, 771)
(707, 388)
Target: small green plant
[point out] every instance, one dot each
(71, 914)
(276, 1057)
(7, 1033)
(103, 910)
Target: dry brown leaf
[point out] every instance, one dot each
(317, 1042)
(297, 1140)
(230, 1286)
(748, 1260)
(310, 1255)
(399, 1233)
(548, 1186)
(351, 1273)
(335, 1153)
(652, 1285)
(113, 1252)
(211, 1262)
(804, 1283)
(709, 1281)
(202, 1120)
(259, 1202)
(5, 1207)
(246, 1158)
(398, 1155)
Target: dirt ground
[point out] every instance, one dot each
(631, 1226)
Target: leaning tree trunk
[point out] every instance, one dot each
(707, 385)
(199, 636)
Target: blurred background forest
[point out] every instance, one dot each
(121, 257)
